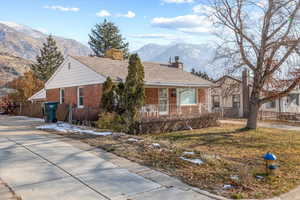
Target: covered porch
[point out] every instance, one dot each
(172, 102)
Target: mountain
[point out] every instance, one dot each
(12, 67)
(25, 42)
(199, 56)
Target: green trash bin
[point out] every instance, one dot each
(50, 112)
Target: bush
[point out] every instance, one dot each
(178, 124)
(111, 121)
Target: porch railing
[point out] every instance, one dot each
(173, 110)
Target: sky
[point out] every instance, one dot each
(140, 21)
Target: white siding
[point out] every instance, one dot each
(77, 75)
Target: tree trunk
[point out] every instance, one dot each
(252, 115)
(254, 105)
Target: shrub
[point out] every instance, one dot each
(111, 121)
(177, 124)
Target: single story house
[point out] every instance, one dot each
(289, 103)
(169, 89)
(230, 96)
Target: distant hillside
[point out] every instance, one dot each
(12, 67)
(192, 55)
(25, 42)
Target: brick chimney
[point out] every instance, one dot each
(245, 88)
(177, 63)
(114, 54)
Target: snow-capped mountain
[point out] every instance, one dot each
(198, 56)
(25, 42)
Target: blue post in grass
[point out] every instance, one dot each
(270, 163)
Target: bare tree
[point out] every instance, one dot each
(263, 36)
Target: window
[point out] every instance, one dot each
(80, 97)
(293, 99)
(216, 101)
(62, 96)
(271, 104)
(236, 101)
(163, 101)
(186, 96)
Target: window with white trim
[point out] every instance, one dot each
(62, 96)
(236, 101)
(216, 101)
(271, 104)
(186, 96)
(80, 97)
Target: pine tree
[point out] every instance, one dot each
(105, 36)
(108, 97)
(48, 60)
(134, 93)
(201, 74)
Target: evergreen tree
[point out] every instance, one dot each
(108, 97)
(105, 36)
(48, 60)
(201, 74)
(134, 93)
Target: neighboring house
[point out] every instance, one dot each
(289, 103)
(169, 90)
(230, 96)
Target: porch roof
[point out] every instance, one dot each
(156, 74)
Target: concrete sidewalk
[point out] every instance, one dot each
(41, 166)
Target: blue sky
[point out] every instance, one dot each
(140, 21)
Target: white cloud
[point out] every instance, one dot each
(185, 23)
(177, 1)
(129, 14)
(61, 8)
(203, 9)
(154, 36)
(43, 30)
(103, 13)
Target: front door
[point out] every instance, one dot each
(163, 101)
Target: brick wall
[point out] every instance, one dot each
(52, 95)
(151, 96)
(92, 95)
(202, 95)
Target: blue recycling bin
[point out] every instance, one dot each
(50, 112)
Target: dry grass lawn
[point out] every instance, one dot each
(231, 155)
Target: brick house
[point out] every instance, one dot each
(169, 90)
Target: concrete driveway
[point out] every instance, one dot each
(41, 166)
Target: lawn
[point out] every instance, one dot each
(233, 165)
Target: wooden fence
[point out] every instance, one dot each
(64, 112)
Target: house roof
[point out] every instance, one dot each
(39, 95)
(227, 76)
(155, 73)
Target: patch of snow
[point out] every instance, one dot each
(30, 118)
(132, 140)
(189, 153)
(68, 128)
(156, 145)
(195, 160)
(235, 177)
(259, 177)
(227, 187)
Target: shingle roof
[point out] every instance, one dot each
(155, 73)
